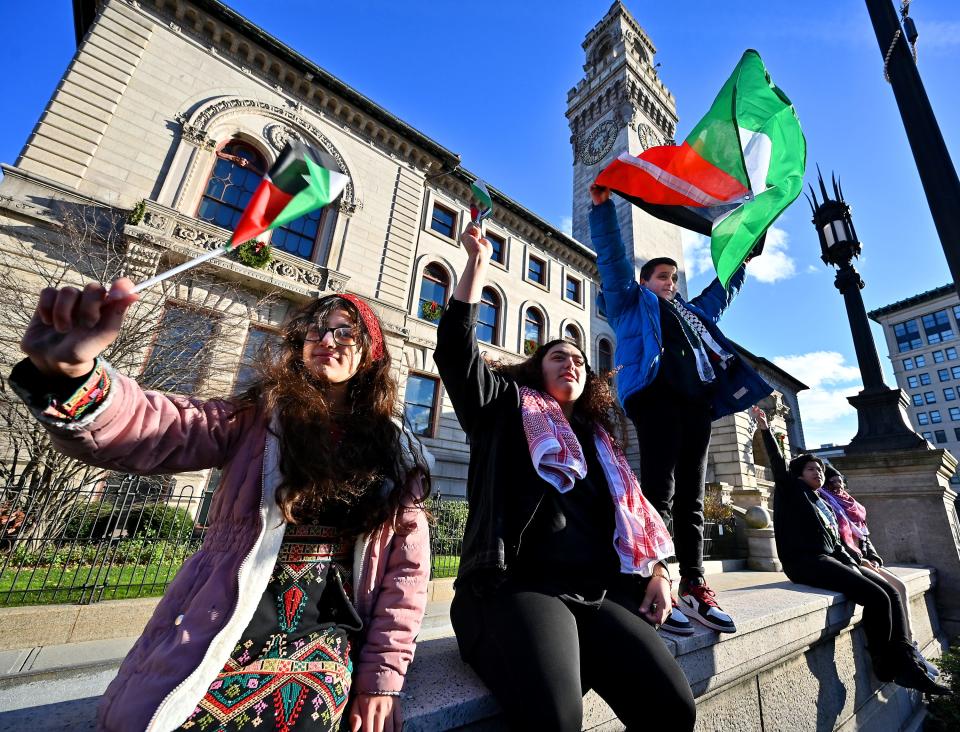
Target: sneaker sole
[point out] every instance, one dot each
(679, 631)
(691, 613)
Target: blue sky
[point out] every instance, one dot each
(491, 84)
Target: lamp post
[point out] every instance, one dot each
(881, 411)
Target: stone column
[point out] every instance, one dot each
(912, 516)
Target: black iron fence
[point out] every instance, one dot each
(446, 535)
(122, 537)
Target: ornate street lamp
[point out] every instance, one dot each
(881, 411)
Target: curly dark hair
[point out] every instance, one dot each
(350, 468)
(596, 405)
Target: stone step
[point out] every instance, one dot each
(797, 662)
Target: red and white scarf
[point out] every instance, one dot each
(640, 537)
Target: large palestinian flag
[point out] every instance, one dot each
(302, 179)
(736, 172)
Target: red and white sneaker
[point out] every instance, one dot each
(677, 622)
(696, 600)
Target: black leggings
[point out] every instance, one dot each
(539, 655)
(884, 621)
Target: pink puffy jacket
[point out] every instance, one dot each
(214, 595)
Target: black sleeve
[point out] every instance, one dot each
(468, 380)
(780, 475)
(41, 389)
(870, 552)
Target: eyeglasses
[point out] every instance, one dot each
(343, 335)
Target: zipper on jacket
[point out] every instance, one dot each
(263, 488)
(358, 580)
(529, 521)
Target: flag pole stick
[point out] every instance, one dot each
(212, 254)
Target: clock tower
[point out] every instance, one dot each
(620, 106)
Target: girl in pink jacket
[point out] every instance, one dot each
(308, 592)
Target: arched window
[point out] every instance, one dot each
(433, 292)
(604, 356)
(235, 177)
(299, 236)
(488, 318)
(532, 331)
(572, 334)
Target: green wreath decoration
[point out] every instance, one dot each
(253, 254)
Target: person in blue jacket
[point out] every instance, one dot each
(677, 373)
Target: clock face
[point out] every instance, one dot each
(598, 143)
(649, 137)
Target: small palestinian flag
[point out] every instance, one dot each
(303, 179)
(736, 172)
(482, 206)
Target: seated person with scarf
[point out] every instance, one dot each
(812, 553)
(563, 575)
(852, 524)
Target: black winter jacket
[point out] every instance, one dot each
(799, 532)
(503, 489)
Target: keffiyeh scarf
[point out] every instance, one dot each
(640, 537)
(700, 342)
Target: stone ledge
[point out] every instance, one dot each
(789, 636)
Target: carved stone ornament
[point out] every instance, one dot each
(279, 135)
(201, 122)
(155, 221)
(594, 146)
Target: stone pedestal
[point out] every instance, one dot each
(762, 551)
(912, 516)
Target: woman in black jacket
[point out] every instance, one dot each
(809, 546)
(562, 576)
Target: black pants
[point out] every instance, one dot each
(884, 621)
(674, 435)
(539, 655)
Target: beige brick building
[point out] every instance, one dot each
(179, 104)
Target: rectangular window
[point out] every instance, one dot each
(929, 397)
(956, 433)
(949, 394)
(499, 246)
(956, 312)
(940, 435)
(181, 351)
(925, 379)
(420, 403)
(917, 400)
(955, 372)
(955, 414)
(913, 382)
(573, 290)
(951, 353)
(943, 375)
(922, 418)
(928, 436)
(938, 357)
(935, 417)
(258, 340)
(908, 335)
(908, 364)
(536, 270)
(937, 327)
(920, 361)
(443, 221)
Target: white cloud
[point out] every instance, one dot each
(774, 264)
(824, 410)
(938, 34)
(566, 225)
(696, 253)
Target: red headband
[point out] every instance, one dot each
(371, 323)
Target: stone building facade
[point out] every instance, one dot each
(168, 104)
(922, 344)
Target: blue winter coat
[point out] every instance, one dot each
(634, 313)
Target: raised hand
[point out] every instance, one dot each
(760, 416)
(475, 243)
(70, 327)
(599, 194)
